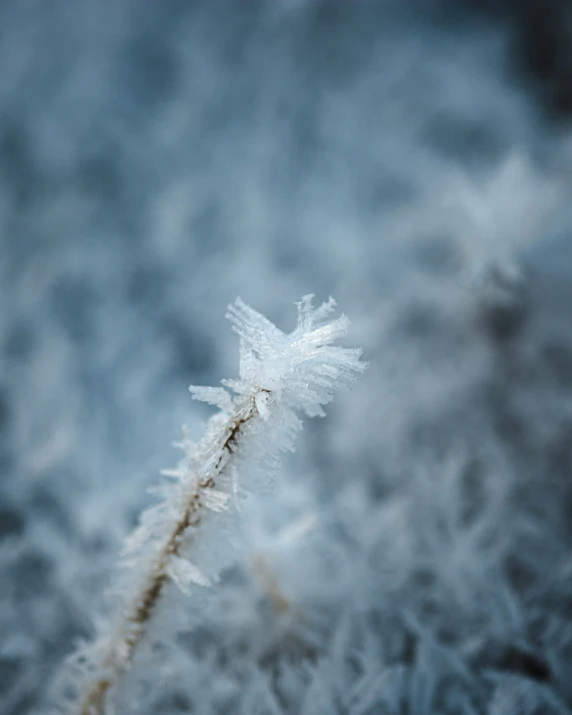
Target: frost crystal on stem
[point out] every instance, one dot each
(280, 375)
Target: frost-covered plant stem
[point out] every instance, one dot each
(279, 375)
(121, 650)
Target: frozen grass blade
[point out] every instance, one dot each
(281, 375)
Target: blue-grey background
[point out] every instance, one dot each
(412, 159)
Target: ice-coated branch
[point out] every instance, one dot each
(179, 539)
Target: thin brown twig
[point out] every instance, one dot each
(92, 701)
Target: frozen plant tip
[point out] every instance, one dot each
(179, 539)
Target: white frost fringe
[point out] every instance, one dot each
(280, 375)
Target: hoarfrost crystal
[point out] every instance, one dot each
(188, 536)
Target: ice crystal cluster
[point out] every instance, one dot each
(187, 536)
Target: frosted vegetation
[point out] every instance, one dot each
(187, 537)
(159, 159)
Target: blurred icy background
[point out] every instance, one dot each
(411, 158)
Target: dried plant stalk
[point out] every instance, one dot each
(280, 375)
